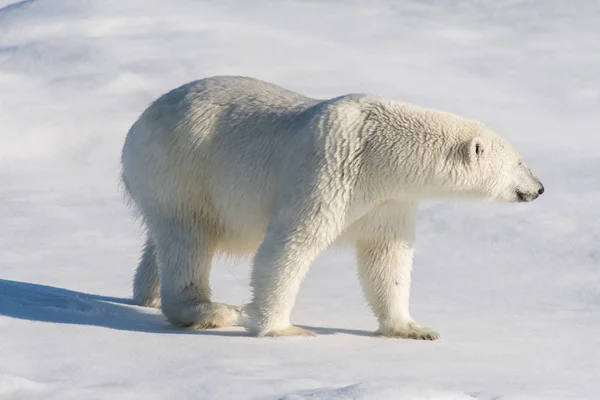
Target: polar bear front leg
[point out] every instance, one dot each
(280, 265)
(385, 273)
(384, 269)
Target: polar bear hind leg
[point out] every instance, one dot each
(146, 283)
(184, 252)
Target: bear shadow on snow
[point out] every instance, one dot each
(34, 302)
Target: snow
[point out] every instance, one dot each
(514, 290)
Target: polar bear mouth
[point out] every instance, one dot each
(525, 197)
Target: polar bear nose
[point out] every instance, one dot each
(541, 189)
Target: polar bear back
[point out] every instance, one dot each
(215, 148)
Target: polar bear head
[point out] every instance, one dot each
(483, 164)
(448, 155)
(493, 169)
(436, 154)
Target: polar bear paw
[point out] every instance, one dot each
(291, 330)
(206, 316)
(409, 331)
(257, 324)
(221, 316)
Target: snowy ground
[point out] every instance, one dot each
(514, 290)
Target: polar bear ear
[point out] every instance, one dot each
(475, 149)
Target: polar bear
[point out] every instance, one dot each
(238, 166)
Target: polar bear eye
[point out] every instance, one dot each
(479, 149)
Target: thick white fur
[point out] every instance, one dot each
(238, 166)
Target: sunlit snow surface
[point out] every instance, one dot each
(514, 290)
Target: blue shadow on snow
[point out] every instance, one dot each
(33, 302)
